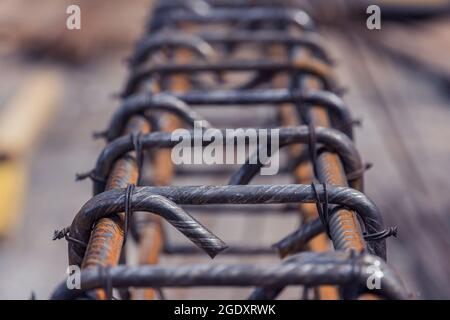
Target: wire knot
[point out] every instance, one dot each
(312, 148)
(100, 134)
(359, 173)
(65, 233)
(322, 206)
(386, 233)
(136, 139)
(128, 210)
(91, 175)
(59, 234)
(106, 279)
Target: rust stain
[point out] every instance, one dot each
(105, 244)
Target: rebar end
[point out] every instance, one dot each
(213, 251)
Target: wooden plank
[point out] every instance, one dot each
(21, 123)
(12, 185)
(28, 113)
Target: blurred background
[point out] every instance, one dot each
(57, 86)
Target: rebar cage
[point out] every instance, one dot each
(191, 57)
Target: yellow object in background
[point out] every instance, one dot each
(13, 176)
(21, 121)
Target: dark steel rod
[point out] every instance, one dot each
(153, 199)
(139, 104)
(332, 139)
(309, 269)
(268, 68)
(106, 205)
(231, 250)
(179, 103)
(201, 43)
(296, 241)
(296, 17)
(156, 42)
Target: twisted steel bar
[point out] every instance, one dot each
(296, 241)
(294, 17)
(303, 99)
(139, 104)
(267, 69)
(247, 210)
(335, 140)
(162, 40)
(231, 250)
(303, 269)
(113, 201)
(195, 6)
(165, 201)
(167, 102)
(201, 43)
(253, 165)
(210, 4)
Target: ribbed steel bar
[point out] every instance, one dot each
(247, 210)
(304, 269)
(262, 68)
(241, 250)
(318, 242)
(252, 166)
(298, 240)
(106, 241)
(344, 228)
(295, 17)
(107, 204)
(155, 43)
(201, 43)
(165, 202)
(140, 104)
(331, 138)
(181, 104)
(201, 6)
